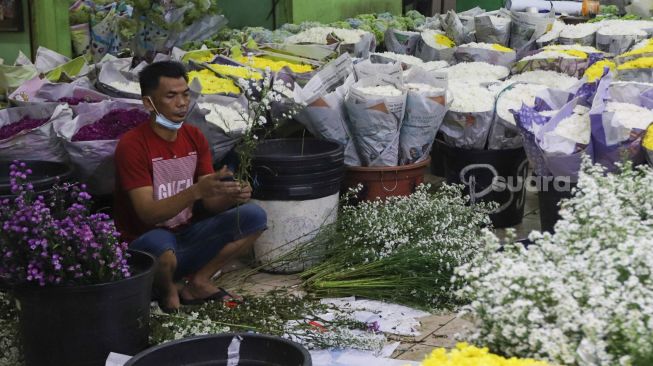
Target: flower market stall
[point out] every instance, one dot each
(335, 126)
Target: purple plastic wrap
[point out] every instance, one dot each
(611, 144)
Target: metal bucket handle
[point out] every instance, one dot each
(396, 182)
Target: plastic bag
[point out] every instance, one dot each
(325, 116)
(455, 29)
(220, 140)
(110, 75)
(375, 121)
(425, 111)
(428, 53)
(47, 59)
(360, 49)
(467, 130)
(80, 35)
(41, 91)
(12, 77)
(617, 44)
(611, 139)
(465, 53)
(525, 28)
(366, 68)
(569, 66)
(490, 29)
(40, 143)
(93, 160)
(69, 71)
(401, 42)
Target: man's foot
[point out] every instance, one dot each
(196, 292)
(169, 301)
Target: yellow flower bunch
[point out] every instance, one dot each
(648, 138)
(639, 63)
(443, 40)
(199, 56)
(213, 84)
(575, 53)
(236, 71)
(262, 63)
(468, 355)
(501, 48)
(646, 49)
(596, 70)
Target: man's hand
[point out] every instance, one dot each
(245, 193)
(222, 191)
(220, 183)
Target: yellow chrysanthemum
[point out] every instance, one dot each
(236, 71)
(501, 48)
(596, 70)
(443, 40)
(648, 138)
(213, 84)
(647, 49)
(263, 63)
(638, 63)
(575, 53)
(467, 355)
(199, 56)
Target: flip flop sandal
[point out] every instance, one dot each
(221, 295)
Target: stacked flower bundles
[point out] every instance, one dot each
(27, 132)
(91, 139)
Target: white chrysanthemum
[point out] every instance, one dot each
(318, 35)
(476, 72)
(470, 98)
(551, 79)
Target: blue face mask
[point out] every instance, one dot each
(163, 121)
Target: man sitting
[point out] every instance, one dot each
(162, 169)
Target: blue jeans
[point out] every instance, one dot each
(199, 243)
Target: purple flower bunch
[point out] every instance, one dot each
(113, 125)
(25, 123)
(54, 239)
(76, 100)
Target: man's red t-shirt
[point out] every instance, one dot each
(144, 159)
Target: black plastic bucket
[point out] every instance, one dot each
(490, 176)
(212, 350)
(549, 205)
(297, 156)
(81, 325)
(297, 169)
(44, 175)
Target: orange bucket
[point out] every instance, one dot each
(386, 181)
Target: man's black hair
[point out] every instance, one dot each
(149, 77)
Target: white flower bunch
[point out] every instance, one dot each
(130, 87)
(318, 35)
(579, 30)
(403, 249)
(269, 102)
(551, 79)
(477, 72)
(582, 296)
(512, 95)
(469, 97)
(228, 118)
(406, 59)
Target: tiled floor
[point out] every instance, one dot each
(437, 330)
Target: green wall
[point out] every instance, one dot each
(254, 13)
(12, 42)
(243, 13)
(489, 5)
(327, 11)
